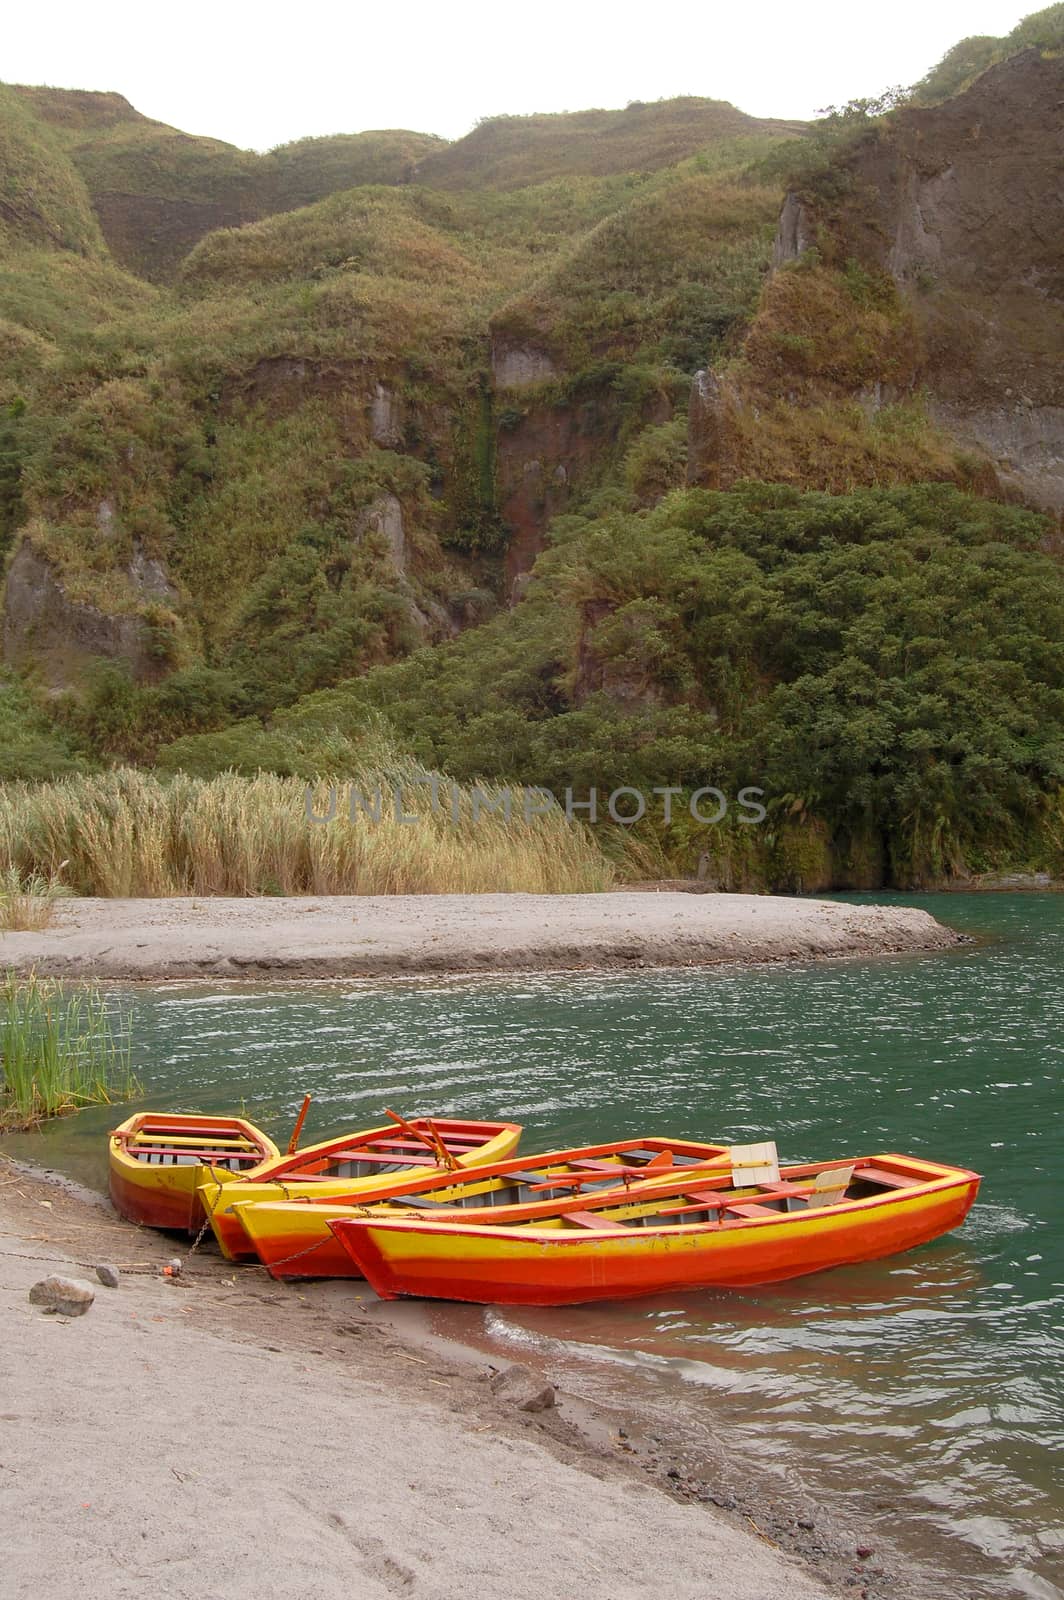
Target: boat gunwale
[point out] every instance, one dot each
(951, 1178)
(442, 1178)
(120, 1151)
(283, 1165)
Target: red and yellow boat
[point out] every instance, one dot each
(292, 1237)
(690, 1234)
(375, 1161)
(155, 1159)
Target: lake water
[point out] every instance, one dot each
(932, 1381)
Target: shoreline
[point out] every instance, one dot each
(333, 1345)
(409, 935)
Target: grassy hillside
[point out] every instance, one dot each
(309, 169)
(155, 190)
(284, 437)
(961, 65)
(514, 152)
(298, 441)
(887, 667)
(43, 199)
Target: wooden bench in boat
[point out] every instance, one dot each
(828, 1186)
(589, 1219)
(212, 1157)
(891, 1180)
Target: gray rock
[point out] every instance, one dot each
(149, 576)
(69, 1297)
(386, 417)
(794, 234)
(384, 517)
(707, 419)
(1025, 441)
(43, 625)
(523, 1389)
(108, 1275)
(520, 366)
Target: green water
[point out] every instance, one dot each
(931, 1381)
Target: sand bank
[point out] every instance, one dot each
(379, 936)
(225, 1435)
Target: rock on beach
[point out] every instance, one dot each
(68, 1297)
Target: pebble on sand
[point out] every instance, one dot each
(69, 1297)
(522, 1388)
(108, 1275)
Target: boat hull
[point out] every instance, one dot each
(552, 1268)
(293, 1237)
(162, 1192)
(219, 1197)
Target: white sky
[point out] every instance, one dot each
(260, 74)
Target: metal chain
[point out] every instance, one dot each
(219, 1185)
(309, 1249)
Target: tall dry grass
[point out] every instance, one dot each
(130, 833)
(28, 903)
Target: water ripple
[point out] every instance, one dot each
(949, 1358)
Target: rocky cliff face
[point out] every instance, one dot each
(968, 217)
(59, 634)
(961, 207)
(361, 417)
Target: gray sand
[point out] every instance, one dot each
(143, 1453)
(375, 936)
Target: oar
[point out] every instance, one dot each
(293, 1143)
(432, 1138)
(446, 1155)
(759, 1163)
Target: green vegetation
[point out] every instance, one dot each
(60, 1049)
(514, 152)
(130, 833)
(265, 419)
(887, 664)
(28, 903)
(960, 66)
(309, 169)
(32, 746)
(663, 280)
(283, 471)
(42, 199)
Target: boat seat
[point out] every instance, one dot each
(874, 1174)
(198, 1158)
(829, 1187)
(588, 1219)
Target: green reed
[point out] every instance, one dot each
(61, 1048)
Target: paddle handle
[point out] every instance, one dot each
(293, 1143)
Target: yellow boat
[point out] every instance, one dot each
(688, 1235)
(155, 1159)
(292, 1236)
(375, 1161)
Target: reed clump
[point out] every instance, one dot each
(129, 833)
(60, 1049)
(28, 903)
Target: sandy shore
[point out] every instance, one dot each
(376, 936)
(227, 1435)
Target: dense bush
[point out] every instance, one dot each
(891, 662)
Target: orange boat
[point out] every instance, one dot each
(689, 1234)
(291, 1235)
(155, 1159)
(374, 1161)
